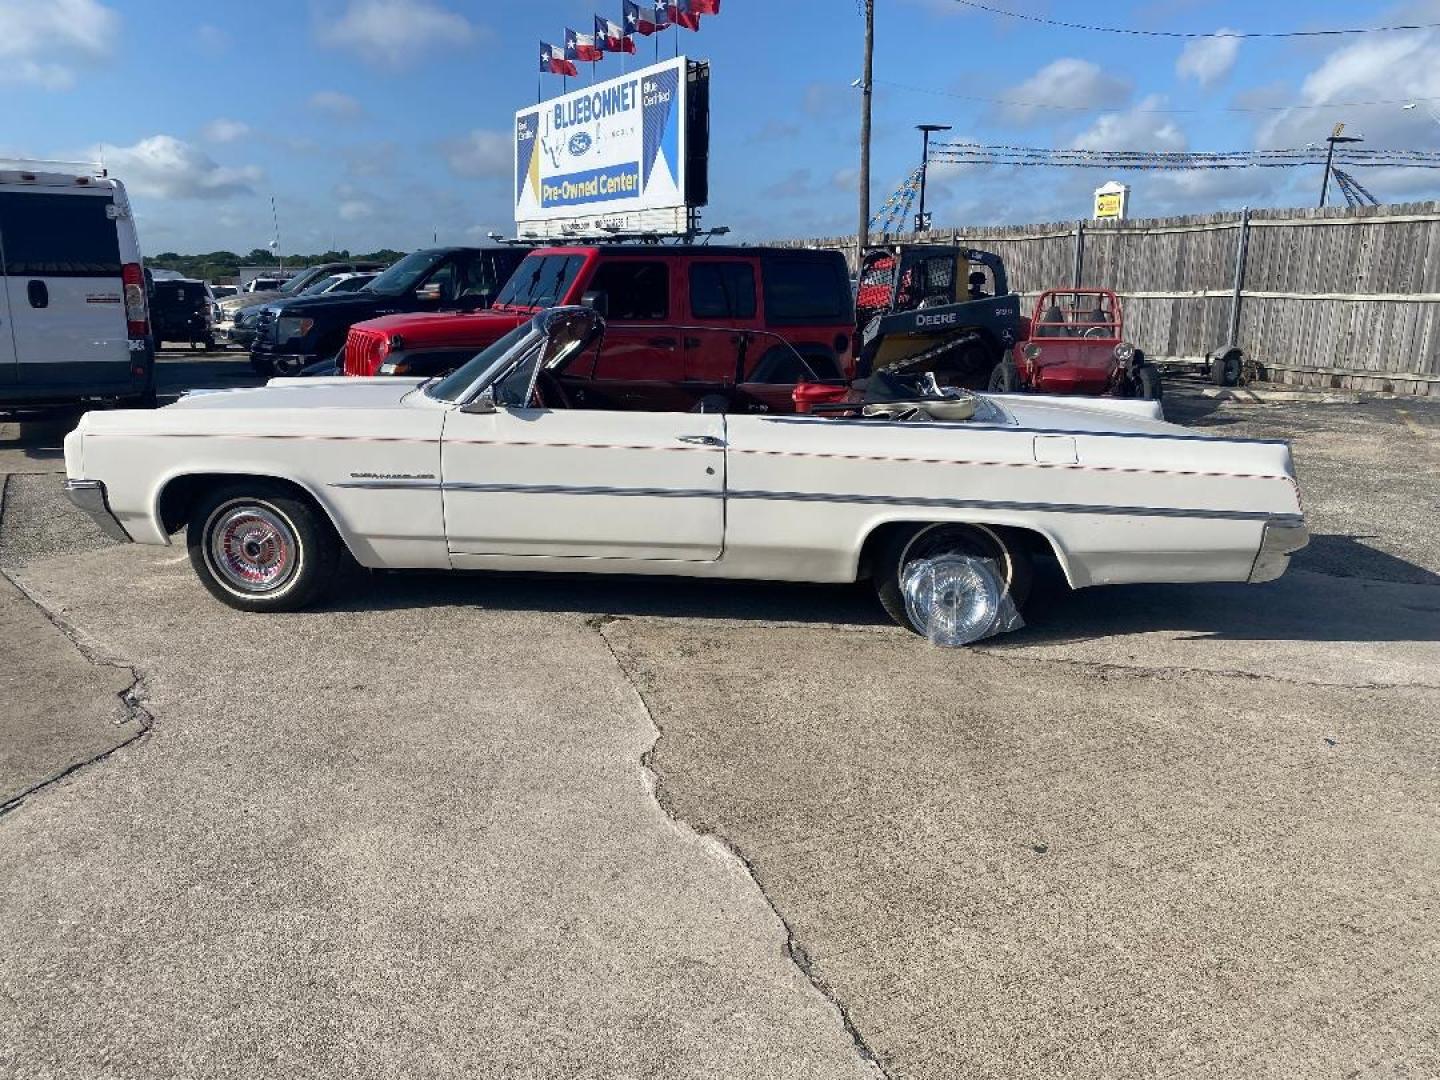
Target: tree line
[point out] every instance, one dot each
(218, 265)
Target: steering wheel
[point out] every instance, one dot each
(550, 392)
(1097, 332)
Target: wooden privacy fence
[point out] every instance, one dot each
(1338, 297)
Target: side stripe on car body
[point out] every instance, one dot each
(819, 497)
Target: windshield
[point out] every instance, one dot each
(481, 367)
(355, 283)
(301, 281)
(321, 285)
(406, 274)
(540, 281)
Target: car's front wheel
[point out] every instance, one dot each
(257, 547)
(902, 548)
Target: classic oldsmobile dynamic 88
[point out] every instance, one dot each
(506, 464)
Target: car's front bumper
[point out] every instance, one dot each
(89, 495)
(1283, 537)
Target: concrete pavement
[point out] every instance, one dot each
(327, 860)
(1162, 830)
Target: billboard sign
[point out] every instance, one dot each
(610, 157)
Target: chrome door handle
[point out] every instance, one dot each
(702, 440)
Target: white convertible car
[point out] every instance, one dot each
(499, 466)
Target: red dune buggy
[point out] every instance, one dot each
(1075, 344)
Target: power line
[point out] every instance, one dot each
(1192, 34)
(1094, 108)
(1289, 158)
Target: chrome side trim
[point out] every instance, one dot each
(998, 504)
(388, 485)
(89, 495)
(567, 489)
(918, 501)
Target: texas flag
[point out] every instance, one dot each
(705, 7)
(553, 62)
(582, 46)
(684, 13)
(662, 15)
(612, 37)
(640, 20)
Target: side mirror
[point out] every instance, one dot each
(429, 293)
(481, 404)
(598, 301)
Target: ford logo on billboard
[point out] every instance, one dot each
(579, 143)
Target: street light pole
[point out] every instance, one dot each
(1334, 137)
(862, 237)
(922, 222)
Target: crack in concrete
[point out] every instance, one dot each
(132, 698)
(793, 950)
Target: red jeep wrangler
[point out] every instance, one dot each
(709, 327)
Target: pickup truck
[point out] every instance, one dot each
(290, 335)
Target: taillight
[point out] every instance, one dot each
(137, 311)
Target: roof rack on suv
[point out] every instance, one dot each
(17, 164)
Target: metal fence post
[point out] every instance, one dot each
(1242, 248)
(1079, 250)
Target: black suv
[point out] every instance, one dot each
(180, 310)
(290, 335)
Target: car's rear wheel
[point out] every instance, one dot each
(904, 547)
(257, 547)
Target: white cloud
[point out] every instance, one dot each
(39, 42)
(355, 210)
(480, 154)
(1069, 82)
(393, 33)
(1388, 67)
(1134, 129)
(170, 168)
(1208, 60)
(336, 105)
(222, 130)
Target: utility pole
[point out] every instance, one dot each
(1336, 136)
(922, 220)
(862, 237)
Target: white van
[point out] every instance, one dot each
(74, 316)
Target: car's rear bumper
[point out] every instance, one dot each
(1283, 537)
(89, 495)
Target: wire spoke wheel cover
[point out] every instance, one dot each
(953, 599)
(252, 548)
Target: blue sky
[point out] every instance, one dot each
(384, 122)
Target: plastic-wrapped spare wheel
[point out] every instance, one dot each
(958, 599)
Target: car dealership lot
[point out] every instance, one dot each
(430, 830)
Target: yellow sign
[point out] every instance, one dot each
(1108, 204)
